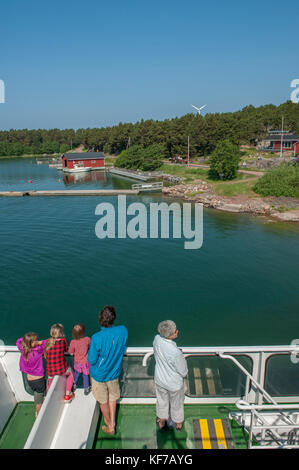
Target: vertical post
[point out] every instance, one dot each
(281, 140)
(250, 430)
(188, 150)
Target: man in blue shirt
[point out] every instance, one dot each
(105, 356)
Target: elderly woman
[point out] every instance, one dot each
(170, 370)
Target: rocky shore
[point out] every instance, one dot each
(284, 209)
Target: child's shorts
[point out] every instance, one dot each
(39, 388)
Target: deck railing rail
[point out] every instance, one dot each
(263, 400)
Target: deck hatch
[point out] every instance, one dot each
(212, 434)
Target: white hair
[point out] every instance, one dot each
(166, 328)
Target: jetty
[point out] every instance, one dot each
(67, 192)
(129, 174)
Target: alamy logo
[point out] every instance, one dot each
(295, 93)
(2, 91)
(138, 221)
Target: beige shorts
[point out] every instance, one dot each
(105, 391)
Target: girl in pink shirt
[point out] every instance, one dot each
(79, 346)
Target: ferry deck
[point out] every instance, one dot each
(236, 398)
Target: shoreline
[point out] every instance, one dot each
(270, 207)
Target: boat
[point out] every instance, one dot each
(236, 397)
(77, 169)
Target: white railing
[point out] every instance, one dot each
(254, 389)
(259, 419)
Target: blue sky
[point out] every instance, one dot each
(92, 64)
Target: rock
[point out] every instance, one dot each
(230, 207)
(289, 216)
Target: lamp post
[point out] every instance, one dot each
(281, 140)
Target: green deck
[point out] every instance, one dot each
(136, 428)
(18, 427)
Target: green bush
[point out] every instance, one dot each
(140, 158)
(280, 181)
(224, 161)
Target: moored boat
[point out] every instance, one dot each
(77, 169)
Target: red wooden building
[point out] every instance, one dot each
(290, 142)
(89, 159)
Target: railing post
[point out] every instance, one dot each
(250, 430)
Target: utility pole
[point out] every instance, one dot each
(281, 140)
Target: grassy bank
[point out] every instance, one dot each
(229, 190)
(191, 174)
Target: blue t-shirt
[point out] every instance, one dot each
(106, 351)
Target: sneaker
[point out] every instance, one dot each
(69, 398)
(87, 390)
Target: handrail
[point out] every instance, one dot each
(132, 350)
(234, 360)
(265, 394)
(244, 405)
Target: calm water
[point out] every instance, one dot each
(240, 288)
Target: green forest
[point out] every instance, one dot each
(241, 127)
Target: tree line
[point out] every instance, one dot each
(241, 127)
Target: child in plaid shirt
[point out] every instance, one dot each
(55, 348)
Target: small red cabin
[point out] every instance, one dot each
(89, 159)
(290, 142)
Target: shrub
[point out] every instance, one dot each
(280, 181)
(224, 161)
(140, 158)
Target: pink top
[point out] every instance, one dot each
(79, 347)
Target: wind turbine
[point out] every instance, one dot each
(199, 109)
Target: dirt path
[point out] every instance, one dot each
(242, 181)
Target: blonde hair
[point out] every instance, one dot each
(27, 341)
(56, 331)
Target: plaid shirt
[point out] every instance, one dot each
(56, 364)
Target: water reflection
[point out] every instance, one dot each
(84, 177)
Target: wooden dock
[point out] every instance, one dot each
(77, 192)
(128, 174)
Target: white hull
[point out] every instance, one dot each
(77, 170)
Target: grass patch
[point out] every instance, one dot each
(229, 190)
(109, 161)
(280, 181)
(185, 172)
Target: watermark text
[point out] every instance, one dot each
(295, 93)
(2, 91)
(137, 220)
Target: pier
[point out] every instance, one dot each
(128, 174)
(66, 192)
